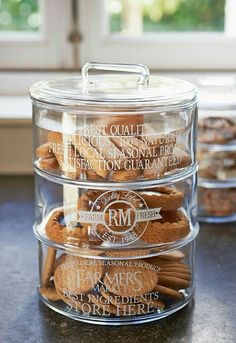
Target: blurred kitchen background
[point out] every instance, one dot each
(43, 39)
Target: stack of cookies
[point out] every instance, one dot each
(115, 179)
(217, 152)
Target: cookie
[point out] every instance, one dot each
(85, 203)
(155, 171)
(178, 275)
(168, 292)
(44, 151)
(154, 139)
(96, 161)
(103, 304)
(179, 159)
(171, 227)
(154, 303)
(49, 164)
(65, 155)
(87, 199)
(125, 306)
(130, 278)
(104, 145)
(175, 255)
(127, 253)
(125, 175)
(160, 165)
(121, 125)
(172, 282)
(217, 201)
(48, 266)
(50, 293)
(91, 175)
(216, 130)
(164, 197)
(74, 302)
(78, 274)
(59, 233)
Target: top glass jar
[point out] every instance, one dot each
(114, 128)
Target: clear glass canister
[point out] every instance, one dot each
(115, 174)
(216, 151)
(116, 288)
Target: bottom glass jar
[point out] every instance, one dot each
(216, 204)
(116, 288)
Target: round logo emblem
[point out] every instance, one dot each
(119, 222)
(119, 217)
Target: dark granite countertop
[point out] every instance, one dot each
(210, 318)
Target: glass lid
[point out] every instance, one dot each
(217, 93)
(115, 85)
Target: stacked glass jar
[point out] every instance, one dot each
(217, 150)
(115, 176)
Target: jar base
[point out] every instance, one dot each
(217, 219)
(120, 320)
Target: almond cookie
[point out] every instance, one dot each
(91, 175)
(96, 161)
(130, 278)
(172, 227)
(65, 155)
(122, 125)
(78, 274)
(165, 197)
(104, 145)
(179, 159)
(160, 165)
(44, 151)
(152, 138)
(59, 233)
(126, 175)
(155, 171)
(49, 164)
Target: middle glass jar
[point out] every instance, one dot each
(144, 220)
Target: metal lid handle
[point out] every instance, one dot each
(139, 69)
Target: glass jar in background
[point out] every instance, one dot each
(216, 151)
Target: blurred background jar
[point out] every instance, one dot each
(217, 149)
